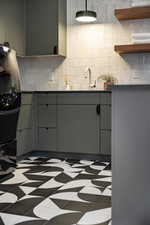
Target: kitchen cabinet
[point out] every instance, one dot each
(34, 27)
(105, 142)
(47, 116)
(12, 24)
(105, 123)
(78, 129)
(24, 141)
(46, 122)
(45, 27)
(47, 139)
(25, 131)
(67, 122)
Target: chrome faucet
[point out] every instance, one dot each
(91, 84)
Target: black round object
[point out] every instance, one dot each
(88, 14)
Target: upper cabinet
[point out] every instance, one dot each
(34, 27)
(46, 27)
(12, 24)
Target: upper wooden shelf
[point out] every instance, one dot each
(133, 48)
(133, 13)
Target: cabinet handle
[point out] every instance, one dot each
(98, 109)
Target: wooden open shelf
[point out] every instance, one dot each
(133, 13)
(133, 48)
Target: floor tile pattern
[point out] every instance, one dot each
(48, 191)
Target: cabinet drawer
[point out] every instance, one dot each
(25, 117)
(47, 139)
(47, 98)
(105, 98)
(105, 141)
(26, 99)
(78, 98)
(105, 118)
(47, 116)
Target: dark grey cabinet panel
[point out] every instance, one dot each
(25, 141)
(105, 142)
(78, 129)
(12, 24)
(25, 130)
(27, 99)
(25, 117)
(45, 27)
(78, 98)
(47, 116)
(66, 122)
(105, 98)
(34, 27)
(105, 121)
(47, 139)
(49, 99)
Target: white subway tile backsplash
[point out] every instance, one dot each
(90, 45)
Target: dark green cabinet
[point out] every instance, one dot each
(34, 27)
(45, 27)
(12, 24)
(78, 129)
(65, 122)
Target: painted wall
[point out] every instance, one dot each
(91, 45)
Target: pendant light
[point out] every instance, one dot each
(86, 16)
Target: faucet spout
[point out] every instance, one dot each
(91, 84)
(90, 76)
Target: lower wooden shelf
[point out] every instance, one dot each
(132, 48)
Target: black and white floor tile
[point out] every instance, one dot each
(48, 191)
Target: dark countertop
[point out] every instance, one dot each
(65, 91)
(131, 86)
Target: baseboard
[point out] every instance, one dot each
(21, 157)
(80, 156)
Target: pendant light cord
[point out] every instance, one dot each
(86, 5)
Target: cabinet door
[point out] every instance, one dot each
(47, 116)
(78, 129)
(12, 26)
(42, 26)
(47, 139)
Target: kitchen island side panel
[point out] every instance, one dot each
(131, 155)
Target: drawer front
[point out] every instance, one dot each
(26, 99)
(47, 116)
(47, 139)
(105, 141)
(78, 98)
(47, 98)
(105, 98)
(105, 118)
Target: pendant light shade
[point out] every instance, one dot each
(86, 16)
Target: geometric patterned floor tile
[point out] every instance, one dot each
(57, 191)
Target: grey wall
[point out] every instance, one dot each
(92, 45)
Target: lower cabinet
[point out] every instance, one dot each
(47, 139)
(73, 123)
(78, 129)
(105, 142)
(24, 141)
